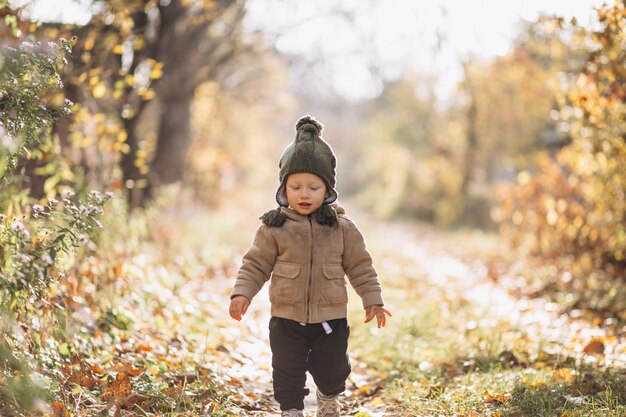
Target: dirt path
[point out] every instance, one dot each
(493, 299)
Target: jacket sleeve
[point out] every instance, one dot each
(357, 263)
(257, 264)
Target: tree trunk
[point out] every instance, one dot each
(174, 139)
(472, 143)
(134, 182)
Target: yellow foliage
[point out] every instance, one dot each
(574, 208)
(99, 90)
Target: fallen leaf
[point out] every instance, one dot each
(363, 390)
(119, 390)
(130, 370)
(563, 374)
(595, 347)
(377, 401)
(508, 358)
(83, 379)
(210, 407)
(96, 369)
(58, 410)
(451, 369)
(498, 399)
(140, 400)
(64, 350)
(143, 347)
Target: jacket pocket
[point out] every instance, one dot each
(335, 290)
(286, 269)
(283, 286)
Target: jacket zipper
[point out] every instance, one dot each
(309, 283)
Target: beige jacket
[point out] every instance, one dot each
(307, 264)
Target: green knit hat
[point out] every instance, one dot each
(308, 153)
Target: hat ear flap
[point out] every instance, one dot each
(281, 196)
(331, 196)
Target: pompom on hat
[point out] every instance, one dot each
(307, 153)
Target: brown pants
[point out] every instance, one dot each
(297, 349)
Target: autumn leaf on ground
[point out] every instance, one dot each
(129, 369)
(537, 384)
(140, 400)
(508, 358)
(58, 410)
(499, 398)
(595, 347)
(210, 406)
(451, 369)
(83, 379)
(377, 401)
(119, 390)
(563, 374)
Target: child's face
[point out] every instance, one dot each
(305, 192)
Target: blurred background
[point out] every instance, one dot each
(454, 113)
(429, 105)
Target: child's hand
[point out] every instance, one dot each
(379, 312)
(238, 306)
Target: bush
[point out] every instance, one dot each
(572, 211)
(31, 246)
(38, 239)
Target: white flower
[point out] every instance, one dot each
(19, 227)
(46, 259)
(26, 45)
(68, 194)
(38, 208)
(110, 194)
(22, 258)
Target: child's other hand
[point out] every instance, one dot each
(238, 306)
(379, 312)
